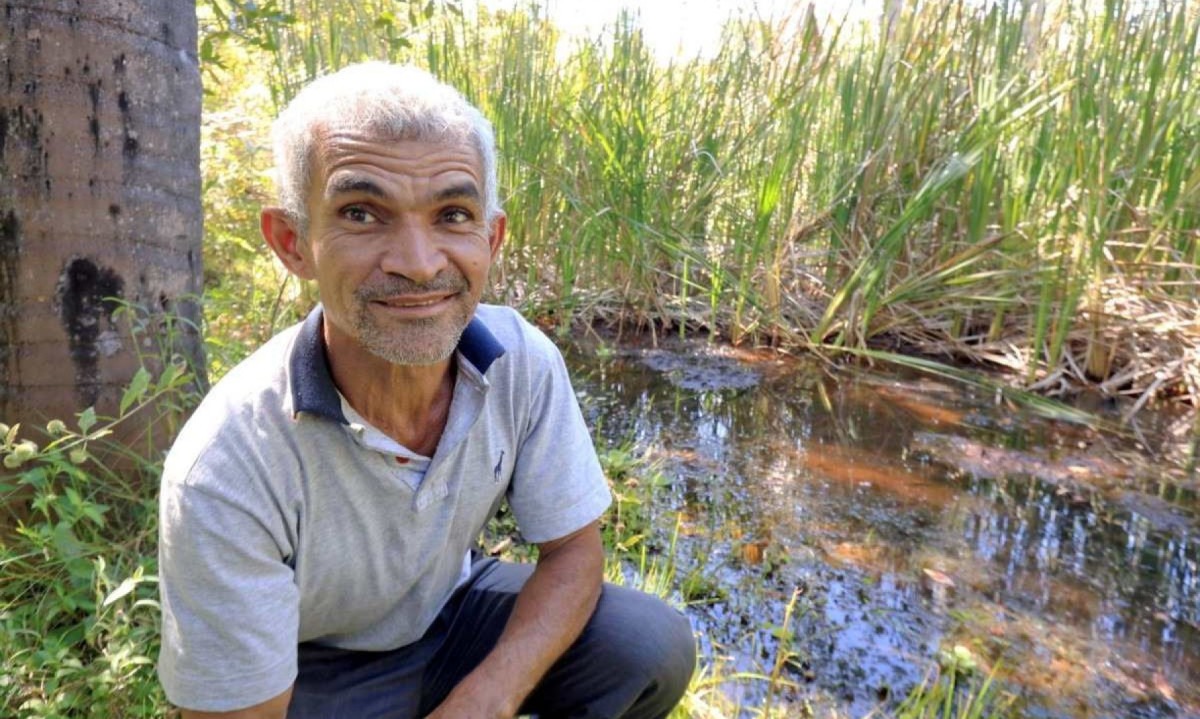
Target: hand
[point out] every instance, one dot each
(473, 699)
(550, 612)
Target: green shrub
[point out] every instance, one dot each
(79, 629)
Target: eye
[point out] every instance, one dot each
(456, 216)
(358, 215)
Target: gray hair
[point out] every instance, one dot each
(393, 102)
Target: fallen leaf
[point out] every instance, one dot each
(752, 552)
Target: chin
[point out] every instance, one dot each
(425, 346)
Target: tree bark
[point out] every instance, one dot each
(99, 196)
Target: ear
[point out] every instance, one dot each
(279, 231)
(496, 234)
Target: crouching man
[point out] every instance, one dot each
(319, 509)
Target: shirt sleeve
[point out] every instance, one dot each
(557, 485)
(230, 606)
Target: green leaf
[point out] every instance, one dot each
(169, 374)
(630, 543)
(66, 544)
(87, 419)
(94, 512)
(208, 52)
(136, 390)
(123, 590)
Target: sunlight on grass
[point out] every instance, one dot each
(976, 182)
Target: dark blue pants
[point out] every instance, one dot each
(633, 660)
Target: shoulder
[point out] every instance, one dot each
(239, 416)
(522, 341)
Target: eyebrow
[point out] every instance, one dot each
(346, 185)
(461, 190)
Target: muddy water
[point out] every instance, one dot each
(905, 517)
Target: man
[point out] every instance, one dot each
(319, 508)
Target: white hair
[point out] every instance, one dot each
(392, 102)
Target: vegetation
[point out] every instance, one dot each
(78, 592)
(1000, 183)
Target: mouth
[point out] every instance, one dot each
(412, 302)
(414, 306)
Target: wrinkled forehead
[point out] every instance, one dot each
(384, 134)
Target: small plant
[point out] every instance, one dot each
(958, 661)
(632, 482)
(78, 599)
(957, 691)
(785, 653)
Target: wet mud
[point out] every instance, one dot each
(907, 516)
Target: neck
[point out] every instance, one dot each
(409, 403)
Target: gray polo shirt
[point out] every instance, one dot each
(286, 518)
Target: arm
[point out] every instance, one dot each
(550, 612)
(274, 708)
(229, 604)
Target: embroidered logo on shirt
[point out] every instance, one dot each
(498, 468)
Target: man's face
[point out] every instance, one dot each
(398, 244)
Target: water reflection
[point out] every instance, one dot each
(910, 515)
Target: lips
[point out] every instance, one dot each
(406, 302)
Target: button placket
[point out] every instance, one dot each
(429, 493)
(466, 407)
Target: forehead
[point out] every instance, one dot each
(343, 153)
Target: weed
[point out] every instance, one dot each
(78, 600)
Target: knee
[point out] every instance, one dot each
(675, 660)
(651, 639)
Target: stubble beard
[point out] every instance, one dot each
(423, 341)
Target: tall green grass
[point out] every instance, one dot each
(992, 181)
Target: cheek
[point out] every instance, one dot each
(344, 264)
(479, 264)
(473, 255)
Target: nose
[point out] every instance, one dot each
(413, 251)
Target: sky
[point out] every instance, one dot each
(683, 28)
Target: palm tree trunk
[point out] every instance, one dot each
(99, 195)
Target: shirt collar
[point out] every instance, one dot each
(313, 390)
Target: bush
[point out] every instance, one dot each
(79, 625)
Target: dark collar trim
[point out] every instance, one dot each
(313, 390)
(479, 346)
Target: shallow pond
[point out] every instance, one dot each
(907, 516)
